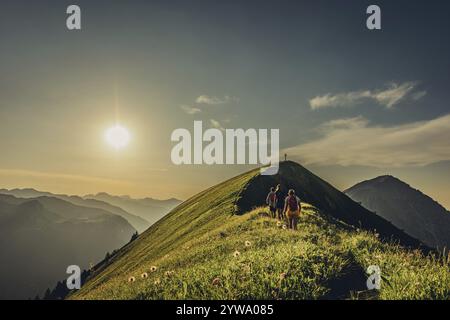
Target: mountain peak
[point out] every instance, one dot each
(384, 181)
(33, 205)
(406, 207)
(387, 179)
(99, 194)
(319, 193)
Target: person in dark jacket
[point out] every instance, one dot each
(280, 202)
(271, 201)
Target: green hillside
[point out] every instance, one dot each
(203, 249)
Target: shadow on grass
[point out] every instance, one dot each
(350, 284)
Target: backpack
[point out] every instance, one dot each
(272, 197)
(292, 203)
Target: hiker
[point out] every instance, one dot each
(280, 202)
(271, 200)
(292, 208)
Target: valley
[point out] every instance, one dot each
(42, 233)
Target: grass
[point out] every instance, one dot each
(201, 250)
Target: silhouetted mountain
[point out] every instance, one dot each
(40, 237)
(149, 209)
(137, 222)
(407, 208)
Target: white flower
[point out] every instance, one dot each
(216, 282)
(169, 273)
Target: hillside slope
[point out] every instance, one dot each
(204, 249)
(40, 237)
(407, 208)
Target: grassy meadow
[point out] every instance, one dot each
(202, 250)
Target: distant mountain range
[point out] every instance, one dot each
(407, 208)
(40, 237)
(41, 233)
(140, 213)
(149, 209)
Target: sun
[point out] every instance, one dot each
(118, 137)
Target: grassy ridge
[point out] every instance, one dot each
(190, 220)
(202, 251)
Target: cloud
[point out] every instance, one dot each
(205, 100)
(387, 97)
(216, 124)
(418, 95)
(354, 142)
(209, 100)
(190, 110)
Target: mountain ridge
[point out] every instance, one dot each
(210, 248)
(321, 194)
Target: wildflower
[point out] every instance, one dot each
(279, 224)
(157, 282)
(169, 273)
(216, 282)
(246, 268)
(283, 276)
(284, 227)
(144, 275)
(236, 254)
(153, 268)
(131, 279)
(248, 243)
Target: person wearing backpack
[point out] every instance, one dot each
(280, 202)
(271, 200)
(292, 208)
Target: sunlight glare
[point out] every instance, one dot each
(117, 137)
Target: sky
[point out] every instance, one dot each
(350, 103)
